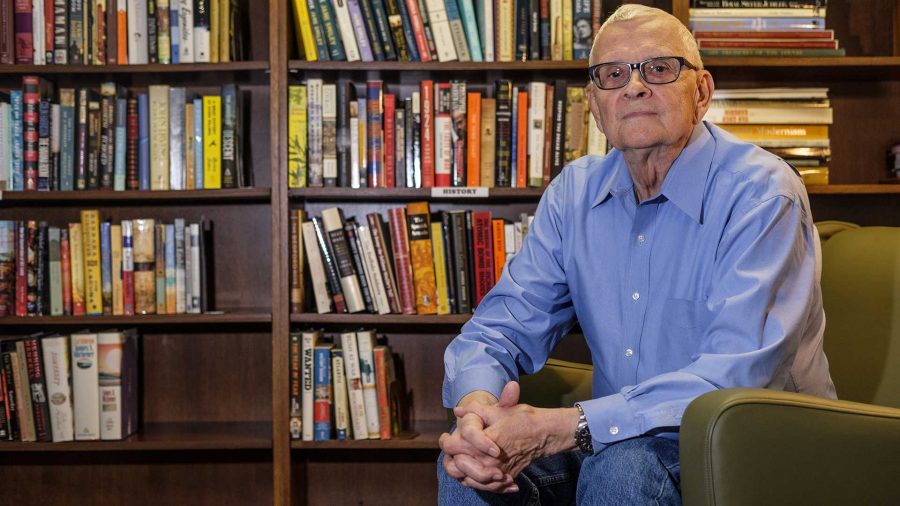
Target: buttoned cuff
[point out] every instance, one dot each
(611, 420)
(470, 381)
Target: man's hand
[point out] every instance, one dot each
(523, 433)
(469, 455)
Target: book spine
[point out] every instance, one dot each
(90, 228)
(23, 394)
(296, 402)
(143, 144)
(358, 415)
(7, 33)
(197, 136)
(333, 222)
(175, 132)
(24, 32)
(471, 27)
(365, 340)
(127, 268)
(202, 46)
(381, 356)
(473, 139)
(345, 96)
(329, 135)
(297, 129)
(16, 99)
(38, 389)
(316, 268)
(421, 254)
(76, 254)
(374, 134)
(457, 31)
(427, 133)
(67, 140)
(229, 136)
(85, 387)
(460, 242)
(440, 268)
(296, 253)
(458, 114)
(212, 142)
(400, 247)
(373, 272)
(315, 173)
(10, 392)
(92, 151)
(483, 246)
(503, 135)
(346, 31)
(307, 347)
(367, 49)
(106, 266)
(341, 405)
(144, 246)
(322, 394)
(418, 30)
(385, 265)
(395, 22)
(332, 34)
(30, 124)
(389, 141)
(350, 231)
(159, 137)
(443, 135)
(55, 272)
(384, 31)
(171, 287)
(559, 127)
(331, 268)
(59, 392)
(118, 300)
(7, 268)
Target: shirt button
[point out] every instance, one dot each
(641, 238)
(629, 352)
(613, 430)
(635, 296)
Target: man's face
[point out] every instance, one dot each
(641, 115)
(583, 28)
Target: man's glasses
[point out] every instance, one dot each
(659, 70)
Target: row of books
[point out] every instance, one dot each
(415, 263)
(443, 134)
(80, 387)
(792, 123)
(446, 30)
(161, 138)
(100, 32)
(349, 386)
(94, 268)
(762, 28)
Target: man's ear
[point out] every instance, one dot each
(590, 90)
(703, 95)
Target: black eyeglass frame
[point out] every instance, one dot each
(640, 68)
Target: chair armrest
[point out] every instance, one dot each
(754, 446)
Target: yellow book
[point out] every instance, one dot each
(760, 132)
(163, 32)
(213, 31)
(440, 267)
(506, 34)
(90, 240)
(159, 137)
(76, 264)
(190, 177)
(224, 31)
(418, 217)
(212, 142)
(576, 109)
(303, 31)
(568, 19)
(556, 46)
(115, 239)
(296, 136)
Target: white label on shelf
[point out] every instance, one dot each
(479, 192)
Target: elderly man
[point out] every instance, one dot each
(688, 257)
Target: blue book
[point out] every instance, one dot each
(702, 24)
(471, 27)
(359, 30)
(384, 29)
(143, 141)
(120, 148)
(332, 35)
(197, 137)
(16, 173)
(322, 393)
(370, 26)
(106, 266)
(175, 31)
(408, 31)
(67, 140)
(171, 287)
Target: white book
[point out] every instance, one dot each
(360, 178)
(180, 293)
(202, 48)
(761, 12)
(345, 27)
(440, 30)
(443, 144)
(537, 97)
(59, 391)
(55, 134)
(365, 339)
(354, 144)
(85, 386)
(308, 342)
(316, 268)
(5, 146)
(509, 238)
(117, 373)
(339, 384)
(485, 12)
(771, 93)
(176, 138)
(314, 131)
(186, 26)
(138, 53)
(354, 386)
(772, 115)
(329, 127)
(37, 26)
(159, 136)
(333, 221)
(373, 272)
(196, 290)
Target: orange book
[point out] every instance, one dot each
(499, 235)
(122, 35)
(473, 142)
(382, 356)
(522, 141)
(427, 91)
(418, 216)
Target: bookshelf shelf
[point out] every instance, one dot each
(242, 66)
(424, 437)
(406, 194)
(524, 66)
(854, 189)
(226, 317)
(137, 197)
(379, 321)
(167, 436)
(812, 70)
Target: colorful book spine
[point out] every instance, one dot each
(93, 284)
(212, 142)
(309, 339)
(85, 386)
(56, 285)
(297, 129)
(440, 268)
(159, 137)
(144, 238)
(421, 254)
(118, 299)
(296, 402)
(322, 395)
(374, 134)
(341, 405)
(400, 248)
(315, 176)
(127, 268)
(106, 266)
(358, 415)
(382, 360)
(76, 253)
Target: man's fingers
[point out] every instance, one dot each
(451, 468)
(476, 470)
(497, 486)
(471, 428)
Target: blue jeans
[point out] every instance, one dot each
(643, 470)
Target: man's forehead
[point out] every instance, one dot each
(636, 40)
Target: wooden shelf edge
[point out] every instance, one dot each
(853, 189)
(240, 66)
(227, 317)
(423, 437)
(440, 66)
(138, 196)
(379, 320)
(789, 61)
(403, 194)
(165, 437)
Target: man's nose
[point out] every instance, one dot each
(636, 86)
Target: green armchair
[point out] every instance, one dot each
(762, 447)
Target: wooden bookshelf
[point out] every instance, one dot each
(156, 68)
(224, 317)
(137, 197)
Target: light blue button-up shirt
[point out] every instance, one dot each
(712, 283)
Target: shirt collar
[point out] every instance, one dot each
(685, 182)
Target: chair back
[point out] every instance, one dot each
(861, 296)
(558, 384)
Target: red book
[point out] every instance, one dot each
(443, 135)
(473, 140)
(389, 148)
(768, 43)
(483, 245)
(427, 111)
(24, 32)
(48, 31)
(128, 267)
(31, 99)
(382, 356)
(65, 260)
(499, 237)
(548, 134)
(21, 268)
(797, 34)
(7, 33)
(522, 140)
(131, 145)
(402, 264)
(415, 18)
(39, 407)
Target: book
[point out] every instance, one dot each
(85, 386)
(296, 402)
(212, 142)
(330, 264)
(297, 129)
(316, 268)
(308, 341)
(351, 233)
(322, 393)
(354, 386)
(381, 359)
(23, 392)
(333, 222)
(144, 266)
(159, 137)
(373, 271)
(402, 263)
(31, 346)
(365, 340)
(341, 404)
(421, 254)
(93, 284)
(117, 367)
(59, 391)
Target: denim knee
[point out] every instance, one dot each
(642, 470)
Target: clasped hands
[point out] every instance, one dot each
(495, 440)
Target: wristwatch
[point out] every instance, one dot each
(583, 438)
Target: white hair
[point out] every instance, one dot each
(628, 12)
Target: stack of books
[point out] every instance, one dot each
(415, 263)
(101, 32)
(789, 122)
(446, 30)
(81, 387)
(762, 28)
(98, 268)
(445, 134)
(349, 386)
(161, 138)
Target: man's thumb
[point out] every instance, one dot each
(510, 395)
